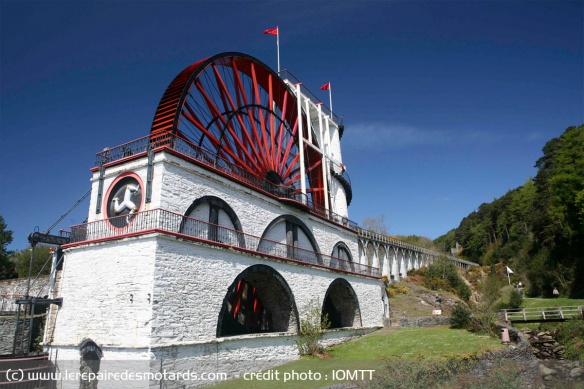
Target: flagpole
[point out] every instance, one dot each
(278, 45)
(331, 98)
(509, 271)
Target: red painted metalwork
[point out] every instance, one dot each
(245, 299)
(240, 110)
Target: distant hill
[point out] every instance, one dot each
(538, 228)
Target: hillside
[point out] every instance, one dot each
(538, 228)
(420, 301)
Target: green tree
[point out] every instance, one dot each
(7, 269)
(443, 269)
(41, 261)
(484, 308)
(557, 222)
(420, 241)
(515, 299)
(446, 241)
(460, 317)
(537, 228)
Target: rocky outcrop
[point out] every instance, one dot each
(518, 351)
(544, 344)
(562, 373)
(424, 321)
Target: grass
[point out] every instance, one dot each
(539, 302)
(371, 352)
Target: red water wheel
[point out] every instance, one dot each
(242, 112)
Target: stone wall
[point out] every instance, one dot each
(15, 288)
(159, 290)
(519, 352)
(7, 328)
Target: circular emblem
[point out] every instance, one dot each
(124, 200)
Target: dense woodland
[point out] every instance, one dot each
(538, 228)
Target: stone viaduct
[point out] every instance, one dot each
(395, 258)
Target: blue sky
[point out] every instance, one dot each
(447, 105)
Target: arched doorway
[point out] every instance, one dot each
(341, 305)
(259, 300)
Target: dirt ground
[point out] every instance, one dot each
(420, 301)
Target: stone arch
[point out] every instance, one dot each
(393, 263)
(401, 263)
(409, 259)
(362, 255)
(341, 305)
(258, 301)
(370, 254)
(221, 223)
(91, 355)
(290, 231)
(382, 259)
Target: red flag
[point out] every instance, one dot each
(271, 31)
(326, 86)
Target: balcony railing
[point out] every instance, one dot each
(159, 220)
(207, 158)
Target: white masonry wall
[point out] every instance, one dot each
(176, 328)
(191, 282)
(181, 183)
(97, 281)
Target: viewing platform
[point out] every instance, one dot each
(180, 226)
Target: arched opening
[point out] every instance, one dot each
(342, 252)
(91, 356)
(341, 305)
(258, 301)
(290, 231)
(371, 254)
(220, 222)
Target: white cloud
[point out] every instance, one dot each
(376, 135)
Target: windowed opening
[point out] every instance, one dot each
(213, 219)
(341, 251)
(286, 236)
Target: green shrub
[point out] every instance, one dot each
(394, 289)
(418, 374)
(451, 374)
(443, 275)
(463, 291)
(515, 299)
(312, 328)
(484, 323)
(460, 317)
(571, 335)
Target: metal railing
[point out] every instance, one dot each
(207, 158)
(543, 314)
(285, 74)
(337, 169)
(159, 220)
